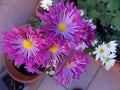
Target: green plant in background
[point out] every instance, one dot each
(106, 15)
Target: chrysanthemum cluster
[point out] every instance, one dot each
(56, 44)
(106, 53)
(66, 29)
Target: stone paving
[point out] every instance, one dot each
(18, 12)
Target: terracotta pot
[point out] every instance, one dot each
(116, 66)
(16, 75)
(39, 9)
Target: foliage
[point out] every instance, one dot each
(36, 23)
(106, 15)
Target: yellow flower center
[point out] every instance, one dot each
(47, 4)
(54, 48)
(101, 51)
(27, 44)
(62, 27)
(108, 46)
(107, 59)
(68, 64)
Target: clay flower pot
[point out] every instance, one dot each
(16, 75)
(116, 67)
(39, 9)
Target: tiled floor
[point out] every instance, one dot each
(18, 12)
(106, 80)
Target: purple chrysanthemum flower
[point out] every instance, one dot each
(54, 53)
(87, 32)
(65, 22)
(72, 69)
(32, 67)
(62, 21)
(22, 45)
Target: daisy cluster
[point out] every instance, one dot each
(57, 46)
(106, 53)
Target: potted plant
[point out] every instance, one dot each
(17, 72)
(56, 42)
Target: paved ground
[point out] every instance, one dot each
(18, 12)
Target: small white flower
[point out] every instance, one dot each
(111, 46)
(45, 4)
(47, 72)
(51, 72)
(100, 51)
(109, 61)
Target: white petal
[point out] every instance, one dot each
(97, 57)
(107, 67)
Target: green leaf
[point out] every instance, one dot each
(105, 20)
(106, 1)
(81, 5)
(94, 14)
(17, 66)
(113, 5)
(116, 22)
(57, 1)
(6, 57)
(87, 50)
(91, 2)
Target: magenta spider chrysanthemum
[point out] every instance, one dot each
(54, 54)
(62, 21)
(22, 45)
(88, 32)
(72, 69)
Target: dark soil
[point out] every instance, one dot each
(22, 70)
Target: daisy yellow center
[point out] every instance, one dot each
(101, 51)
(54, 48)
(108, 45)
(47, 4)
(107, 59)
(27, 44)
(68, 64)
(62, 27)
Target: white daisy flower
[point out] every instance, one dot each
(45, 4)
(100, 52)
(111, 46)
(109, 61)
